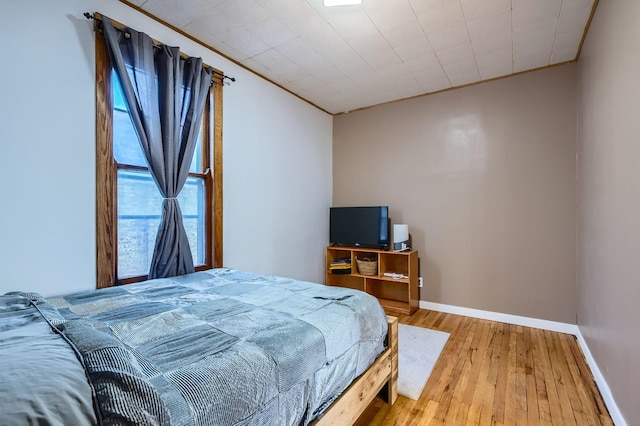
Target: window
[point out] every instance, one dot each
(139, 203)
(128, 203)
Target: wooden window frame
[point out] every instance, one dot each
(106, 173)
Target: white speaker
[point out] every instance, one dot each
(401, 237)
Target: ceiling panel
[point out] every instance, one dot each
(489, 26)
(350, 57)
(272, 32)
(482, 9)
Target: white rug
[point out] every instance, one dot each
(418, 350)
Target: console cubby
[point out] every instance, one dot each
(397, 295)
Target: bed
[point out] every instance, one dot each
(215, 347)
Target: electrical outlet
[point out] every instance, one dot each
(419, 281)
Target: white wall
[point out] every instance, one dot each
(277, 155)
(277, 182)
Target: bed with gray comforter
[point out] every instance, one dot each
(220, 347)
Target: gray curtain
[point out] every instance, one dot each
(166, 95)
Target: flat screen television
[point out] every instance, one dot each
(359, 226)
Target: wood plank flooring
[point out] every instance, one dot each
(492, 373)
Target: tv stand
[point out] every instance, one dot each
(398, 296)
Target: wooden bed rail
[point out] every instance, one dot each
(384, 371)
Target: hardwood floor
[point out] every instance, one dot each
(492, 373)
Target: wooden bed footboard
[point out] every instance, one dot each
(384, 371)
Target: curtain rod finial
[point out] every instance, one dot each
(89, 15)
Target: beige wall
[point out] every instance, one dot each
(485, 178)
(609, 199)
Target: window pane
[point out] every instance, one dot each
(139, 210)
(126, 146)
(192, 204)
(196, 162)
(139, 213)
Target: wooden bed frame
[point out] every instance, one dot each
(384, 371)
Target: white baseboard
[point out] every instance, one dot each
(560, 327)
(603, 387)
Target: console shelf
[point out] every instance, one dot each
(398, 296)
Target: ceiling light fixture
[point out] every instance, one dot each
(341, 2)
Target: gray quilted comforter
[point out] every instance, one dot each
(220, 347)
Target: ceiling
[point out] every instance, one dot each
(349, 57)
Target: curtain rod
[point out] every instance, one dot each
(156, 44)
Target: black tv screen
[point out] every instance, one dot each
(359, 226)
